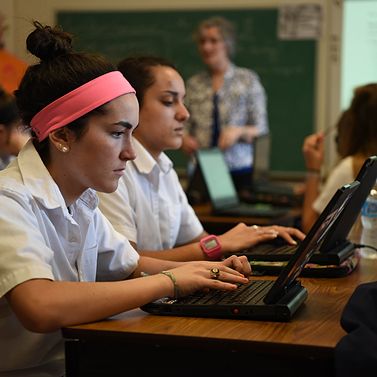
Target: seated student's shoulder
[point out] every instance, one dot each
(11, 181)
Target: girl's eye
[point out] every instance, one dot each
(117, 134)
(168, 103)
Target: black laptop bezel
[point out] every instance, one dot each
(261, 175)
(367, 177)
(293, 269)
(336, 248)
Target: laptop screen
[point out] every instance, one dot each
(261, 157)
(216, 174)
(312, 241)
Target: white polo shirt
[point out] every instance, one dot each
(40, 239)
(150, 207)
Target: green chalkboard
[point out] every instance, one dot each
(286, 68)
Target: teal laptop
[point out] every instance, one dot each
(222, 192)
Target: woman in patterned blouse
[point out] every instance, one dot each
(227, 103)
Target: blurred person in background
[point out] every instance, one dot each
(12, 138)
(356, 141)
(227, 103)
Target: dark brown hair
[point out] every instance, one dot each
(59, 71)
(8, 109)
(358, 125)
(138, 72)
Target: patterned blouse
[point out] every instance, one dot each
(242, 101)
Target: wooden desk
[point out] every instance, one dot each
(220, 224)
(218, 347)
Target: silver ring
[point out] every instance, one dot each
(254, 226)
(215, 273)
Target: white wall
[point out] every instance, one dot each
(359, 47)
(20, 12)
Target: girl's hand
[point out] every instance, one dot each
(243, 236)
(225, 275)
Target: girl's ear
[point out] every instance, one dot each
(61, 139)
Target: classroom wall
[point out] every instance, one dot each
(358, 49)
(327, 104)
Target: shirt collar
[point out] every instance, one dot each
(145, 163)
(41, 185)
(230, 71)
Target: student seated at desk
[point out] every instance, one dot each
(61, 261)
(356, 140)
(150, 207)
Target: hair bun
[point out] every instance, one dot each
(47, 43)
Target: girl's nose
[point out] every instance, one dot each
(128, 151)
(183, 114)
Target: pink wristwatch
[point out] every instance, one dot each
(211, 247)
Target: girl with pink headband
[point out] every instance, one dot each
(61, 261)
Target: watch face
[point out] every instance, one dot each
(211, 247)
(211, 244)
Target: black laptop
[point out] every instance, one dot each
(222, 192)
(262, 187)
(336, 248)
(261, 299)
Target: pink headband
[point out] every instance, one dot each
(79, 102)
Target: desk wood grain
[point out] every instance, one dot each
(310, 336)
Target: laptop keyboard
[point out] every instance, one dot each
(268, 248)
(251, 293)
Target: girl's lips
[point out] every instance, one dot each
(119, 171)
